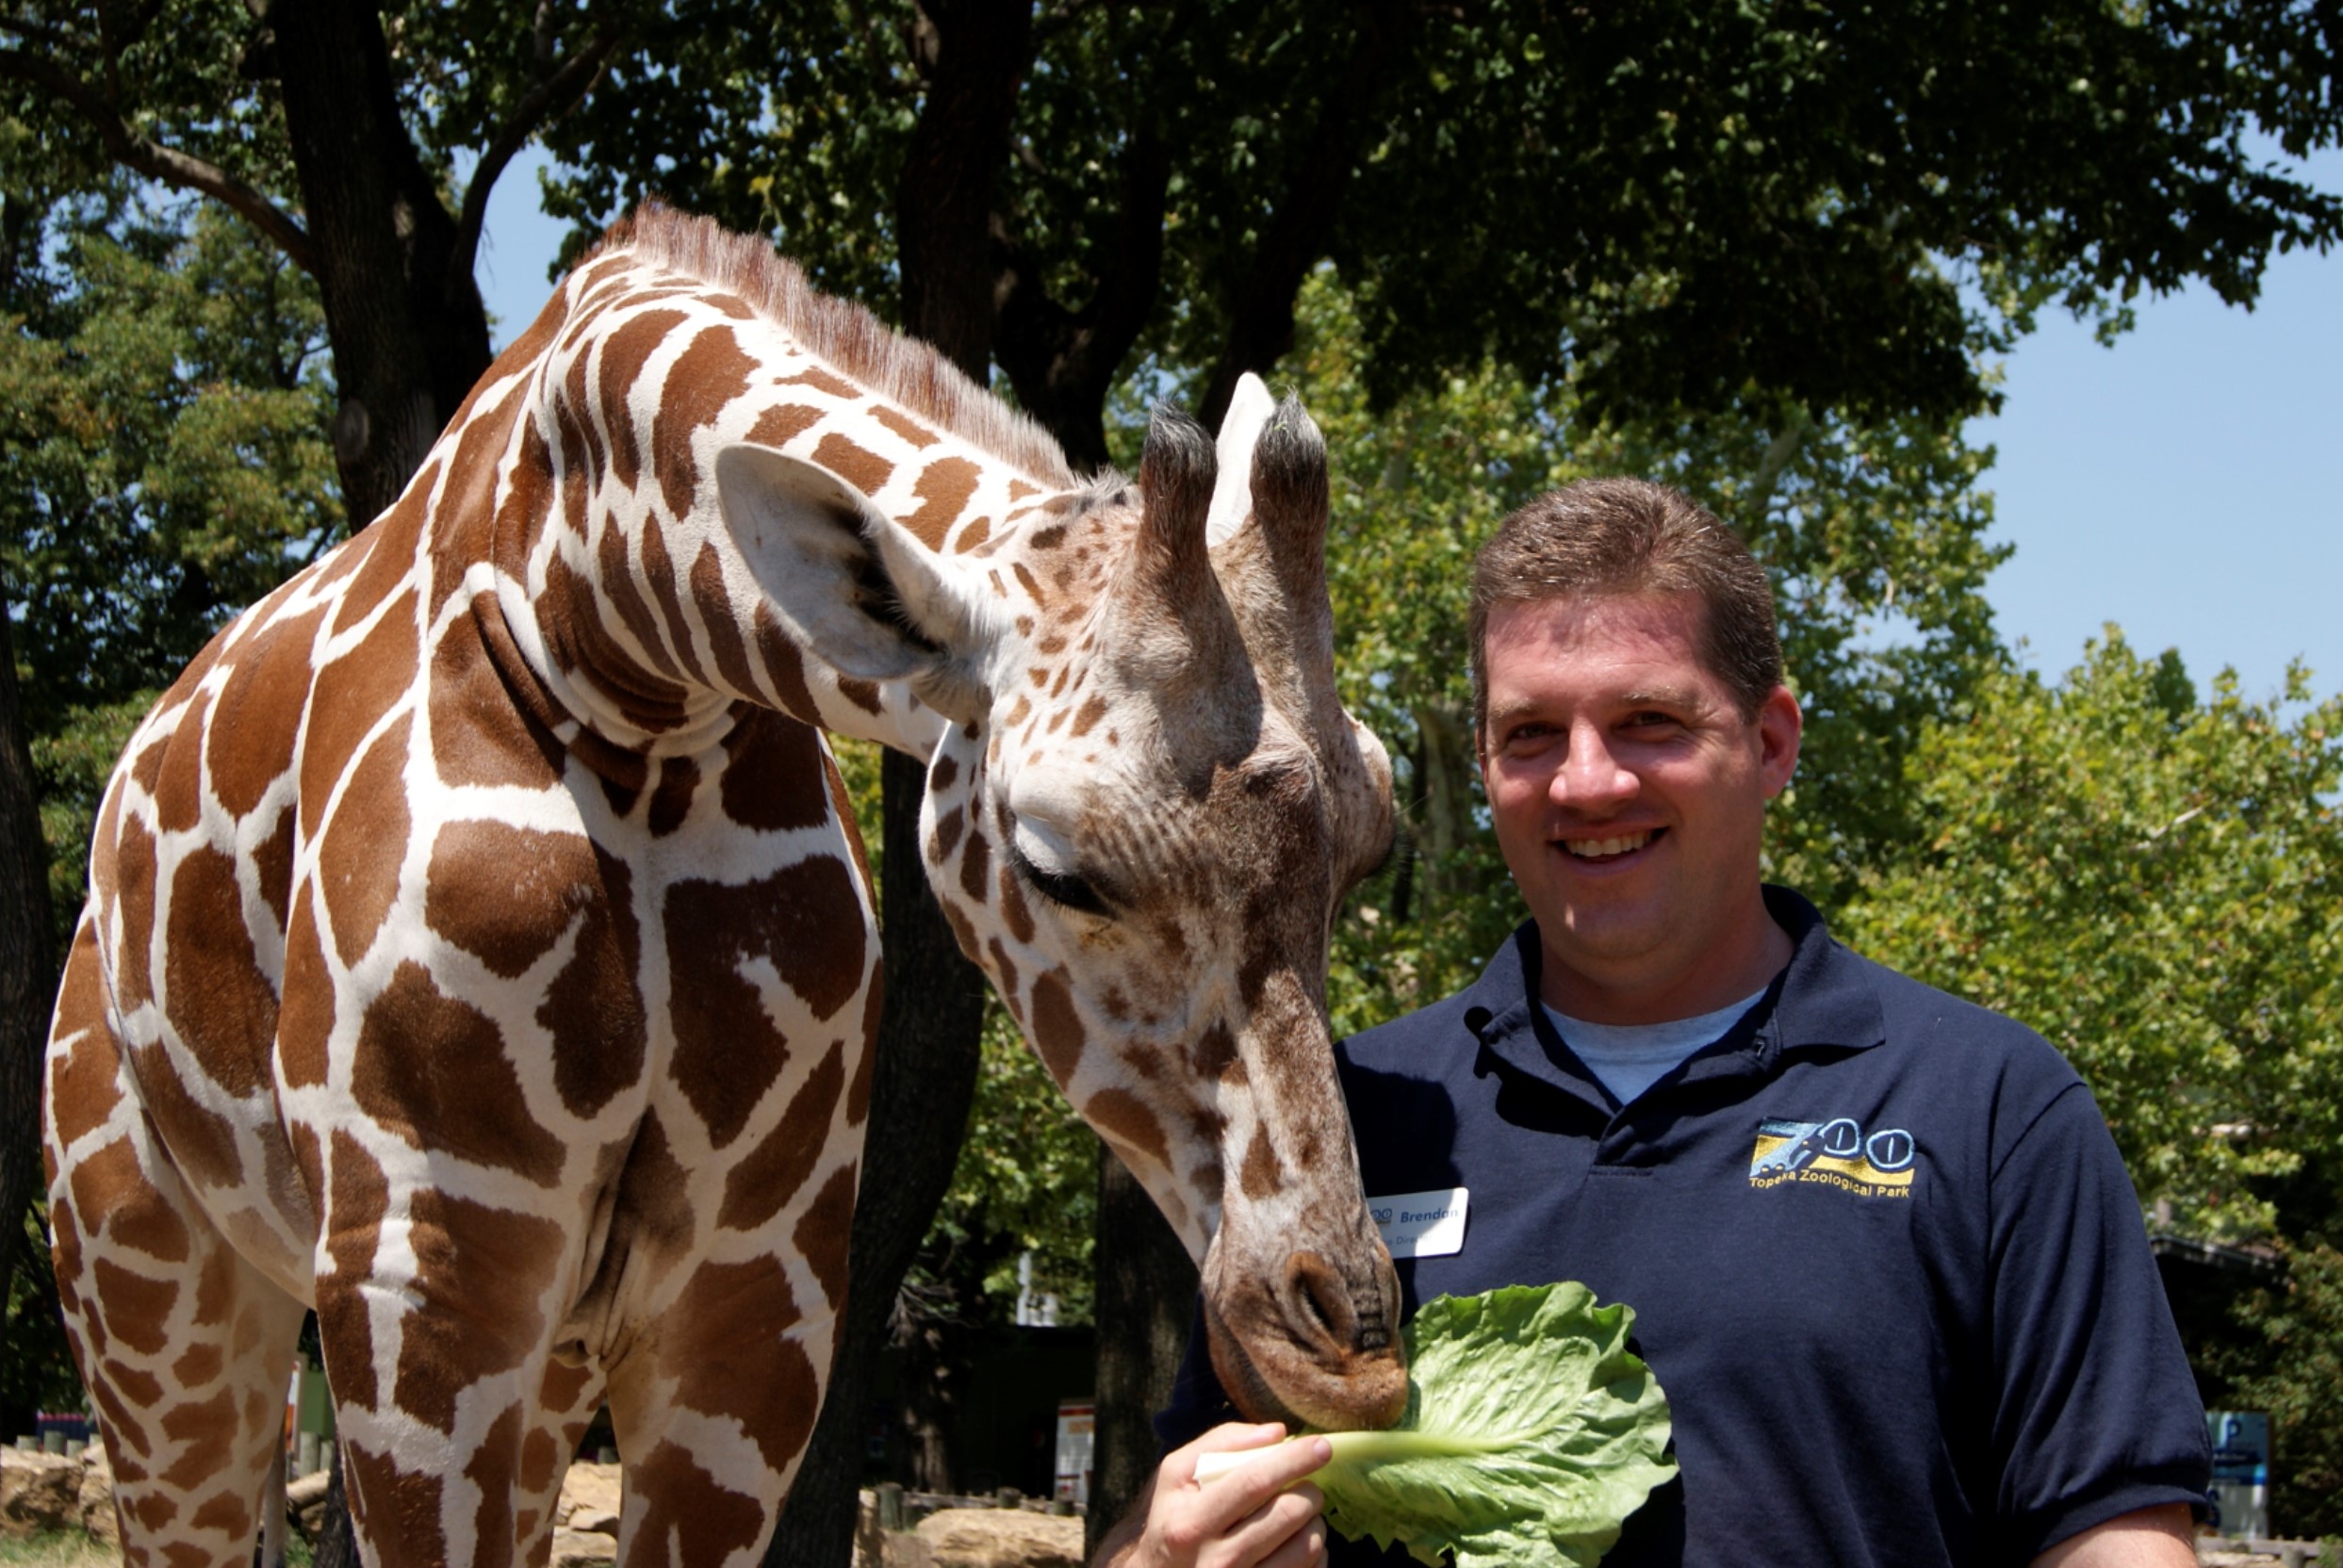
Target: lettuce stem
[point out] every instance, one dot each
(1364, 1447)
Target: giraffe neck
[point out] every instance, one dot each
(626, 591)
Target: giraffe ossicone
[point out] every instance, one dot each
(480, 949)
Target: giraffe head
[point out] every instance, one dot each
(1141, 821)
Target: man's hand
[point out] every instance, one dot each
(1253, 1517)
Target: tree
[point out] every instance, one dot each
(2156, 882)
(330, 129)
(162, 418)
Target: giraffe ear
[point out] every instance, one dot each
(1249, 409)
(854, 588)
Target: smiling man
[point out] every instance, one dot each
(1883, 1255)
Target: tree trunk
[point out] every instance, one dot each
(1146, 1300)
(409, 332)
(28, 973)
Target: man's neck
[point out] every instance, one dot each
(1749, 963)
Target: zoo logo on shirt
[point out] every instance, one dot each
(1837, 1152)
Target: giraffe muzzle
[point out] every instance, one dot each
(1312, 1343)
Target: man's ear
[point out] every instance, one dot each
(1780, 722)
(857, 589)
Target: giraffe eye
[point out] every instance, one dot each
(1062, 888)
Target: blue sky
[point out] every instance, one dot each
(2183, 483)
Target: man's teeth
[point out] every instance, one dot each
(1591, 849)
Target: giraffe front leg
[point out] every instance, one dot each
(431, 1311)
(713, 1404)
(184, 1346)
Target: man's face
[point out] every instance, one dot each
(1629, 795)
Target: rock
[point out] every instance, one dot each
(1001, 1538)
(584, 1549)
(589, 1500)
(305, 1499)
(38, 1493)
(96, 1498)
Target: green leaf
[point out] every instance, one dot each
(1532, 1432)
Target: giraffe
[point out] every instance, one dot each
(480, 951)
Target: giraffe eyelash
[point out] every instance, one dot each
(1061, 888)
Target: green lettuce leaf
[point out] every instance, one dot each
(1531, 1434)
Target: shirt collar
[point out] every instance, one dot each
(1822, 999)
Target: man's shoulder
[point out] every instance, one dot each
(1401, 1042)
(1940, 1028)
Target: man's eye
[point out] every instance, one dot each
(1062, 888)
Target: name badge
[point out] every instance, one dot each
(1421, 1224)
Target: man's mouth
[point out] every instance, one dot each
(1611, 848)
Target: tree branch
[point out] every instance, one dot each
(1261, 305)
(142, 155)
(536, 106)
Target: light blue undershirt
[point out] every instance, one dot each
(1630, 1058)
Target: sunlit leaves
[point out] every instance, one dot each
(2157, 885)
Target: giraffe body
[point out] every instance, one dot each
(480, 949)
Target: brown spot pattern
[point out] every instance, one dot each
(358, 880)
(352, 693)
(943, 488)
(822, 1233)
(594, 1009)
(306, 1021)
(390, 544)
(358, 1199)
(431, 1070)
(773, 774)
(223, 1007)
(917, 434)
(201, 1140)
(480, 735)
(821, 381)
(729, 1319)
(1058, 1031)
(784, 668)
(1262, 1174)
(709, 376)
(687, 1516)
(506, 894)
(624, 353)
(783, 423)
(723, 630)
(398, 1510)
(481, 1275)
(492, 1467)
(858, 465)
(1126, 1121)
(134, 1306)
(761, 1185)
(254, 724)
(806, 921)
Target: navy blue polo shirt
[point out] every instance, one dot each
(1883, 1255)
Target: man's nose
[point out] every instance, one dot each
(1591, 775)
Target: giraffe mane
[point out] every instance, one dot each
(853, 340)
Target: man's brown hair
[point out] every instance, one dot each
(1604, 538)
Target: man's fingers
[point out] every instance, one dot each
(1284, 1529)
